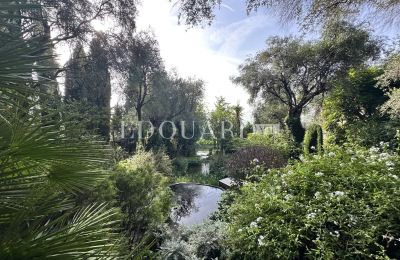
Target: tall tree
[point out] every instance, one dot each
(75, 81)
(88, 83)
(222, 115)
(238, 117)
(99, 84)
(294, 72)
(178, 99)
(144, 64)
(174, 98)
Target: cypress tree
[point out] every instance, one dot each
(313, 140)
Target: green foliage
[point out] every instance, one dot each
(307, 13)
(391, 75)
(140, 61)
(392, 106)
(189, 169)
(223, 114)
(351, 111)
(313, 140)
(217, 165)
(340, 205)
(373, 132)
(271, 112)
(204, 241)
(282, 142)
(88, 87)
(43, 170)
(198, 178)
(293, 72)
(143, 193)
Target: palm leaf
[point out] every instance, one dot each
(87, 233)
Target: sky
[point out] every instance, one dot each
(211, 53)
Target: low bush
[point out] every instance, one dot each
(202, 241)
(180, 165)
(343, 205)
(281, 142)
(217, 165)
(143, 193)
(240, 164)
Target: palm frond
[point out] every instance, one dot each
(87, 233)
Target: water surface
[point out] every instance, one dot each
(195, 203)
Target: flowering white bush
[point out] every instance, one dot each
(203, 241)
(344, 204)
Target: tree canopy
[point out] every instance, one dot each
(197, 12)
(294, 72)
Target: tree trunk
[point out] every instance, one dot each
(293, 123)
(139, 113)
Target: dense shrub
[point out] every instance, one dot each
(180, 165)
(313, 140)
(372, 132)
(143, 193)
(217, 165)
(351, 111)
(282, 142)
(340, 205)
(202, 241)
(241, 163)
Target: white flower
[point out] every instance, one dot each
(317, 194)
(255, 160)
(259, 219)
(288, 197)
(312, 147)
(311, 215)
(240, 230)
(290, 172)
(335, 233)
(253, 224)
(384, 156)
(331, 154)
(393, 176)
(389, 164)
(336, 193)
(260, 241)
(319, 174)
(373, 149)
(384, 145)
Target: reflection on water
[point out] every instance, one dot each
(202, 154)
(205, 165)
(205, 168)
(194, 202)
